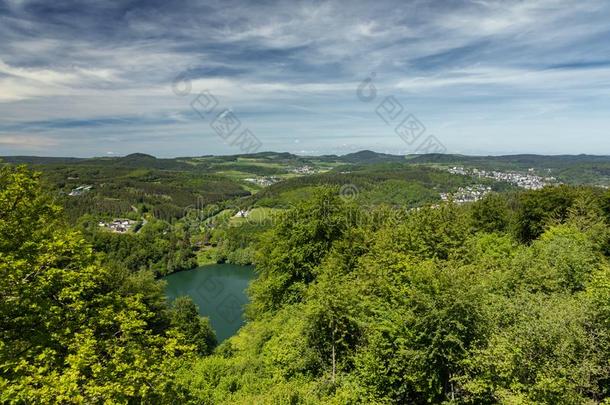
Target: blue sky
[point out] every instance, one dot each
(96, 78)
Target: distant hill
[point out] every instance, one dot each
(364, 157)
(169, 185)
(524, 160)
(149, 161)
(138, 157)
(38, 160)
(370, 157)
(270, 155)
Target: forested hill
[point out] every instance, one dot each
(525, 160)
(361, 157)
(365, 157)
(575, 169)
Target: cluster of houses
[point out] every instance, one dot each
(242, 214)
(263, 181)
(304, 170)
(529, 181)
(269, 180)
(80, 190)
(467, 194)
(118, 225)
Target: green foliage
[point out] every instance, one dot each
(563, 259)
(71, 330)
(542, 351)
(491, 214)
(197, 330)
(289, 255)
(432, 305)
(136, 184)
(426, 233)
(159, 247)
(236, 244)
(538, 209)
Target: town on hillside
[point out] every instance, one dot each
(528, 181)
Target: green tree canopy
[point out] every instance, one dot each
(71, 330)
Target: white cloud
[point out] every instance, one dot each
(558, 80)
(27, 141)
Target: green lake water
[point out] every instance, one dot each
(218, 290)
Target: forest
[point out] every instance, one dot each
(503, 300)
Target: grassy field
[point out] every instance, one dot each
(259, 215)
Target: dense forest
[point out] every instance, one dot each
(504, 300)
(73, 330)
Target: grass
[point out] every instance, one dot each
(256, 215)
(207, 255)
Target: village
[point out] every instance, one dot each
(267, 181)
(529, 181)
(80, 190)
(263, 181)
(118, 225)
(467, 194)
(305, 170)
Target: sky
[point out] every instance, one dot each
(191, 78)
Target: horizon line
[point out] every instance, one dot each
(116, 156)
